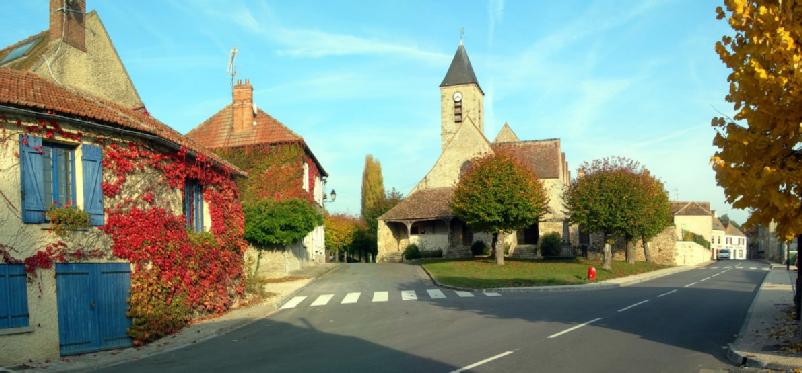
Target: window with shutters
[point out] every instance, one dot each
(193, 205)
(48, 178)
(13, 296)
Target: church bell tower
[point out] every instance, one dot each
(461, 98)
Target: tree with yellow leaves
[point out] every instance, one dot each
(759, 160)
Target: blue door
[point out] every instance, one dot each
(92, 304)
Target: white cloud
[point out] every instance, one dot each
(495, 13)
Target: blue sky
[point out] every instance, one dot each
(633, 78)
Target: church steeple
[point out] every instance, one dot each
(460, 71)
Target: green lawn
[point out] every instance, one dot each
(484, 273)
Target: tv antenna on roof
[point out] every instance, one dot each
(232, 70)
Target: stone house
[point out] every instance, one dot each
(693, 216)
(424, 217)
(717, 240)
(65, 289)
(75, 51)
(280, 166)
(735, 240)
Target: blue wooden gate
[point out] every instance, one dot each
(92, 304)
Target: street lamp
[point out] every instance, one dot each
(330, 197)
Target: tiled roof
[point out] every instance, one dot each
(460, 71)
(217, 132)
(690, 208)
(717, 226)
(542, 155)
(733, 231)
(28, 90)
(423, 204)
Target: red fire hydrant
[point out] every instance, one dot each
(591, 273)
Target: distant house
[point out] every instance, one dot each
(279, 162)
(694, 217)
(66, 292)
(735, 240)
(718, 240)
(75, 51)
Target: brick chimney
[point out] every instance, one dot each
(67, 20)
(242, 107)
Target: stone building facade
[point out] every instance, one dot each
(424, 217)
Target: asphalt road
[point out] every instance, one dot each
(678, 323)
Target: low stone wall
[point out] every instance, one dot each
(662, 248)
(280, 262)
(691, 253)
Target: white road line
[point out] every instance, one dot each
(739, 267)
(492, 294)
(575, 327)
(667, 293)
(380, 296)
(408, 295)
(752, 268)
(463, 293)
(351, 298)
(691, 284)
(294, 302)
(713, 267)
(633, 305)
(322, 300)
(435, 293)
(485, 361)
(705, 279)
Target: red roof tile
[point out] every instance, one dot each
(690, 208)
(423, 204)
(28, 90)
(543, 156)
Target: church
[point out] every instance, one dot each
(425, 219)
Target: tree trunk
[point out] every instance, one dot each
(630, 250)
(337, 256)
(798, 292)
(646, 253)
(498, 244)
(608, 255)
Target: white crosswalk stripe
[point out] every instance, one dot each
(351, 298)
(380, 296)
(464, 294)
(492, 294)
(322, 300)
(435, 293)
(295, 301)
(752, 268)
(409, 295)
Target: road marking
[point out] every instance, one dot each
(667, 293)
(351, 298)
(485, 361)
(408, 295)
(492, 294)
(739, 267)
(463, 293)
(575, 327)
(435, 293)
(705, 279)
(633, 305)
(294, 302)
(322, 300)
(691, 284)
(713, 267)
(753, 268)
(380, 296)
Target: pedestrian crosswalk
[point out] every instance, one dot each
(753, 268)
(381, 297)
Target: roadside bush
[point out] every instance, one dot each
(431, 253)
(698, 238)
(480, 248)
(550, 244)
(412, 252)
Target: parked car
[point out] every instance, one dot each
(723, 254)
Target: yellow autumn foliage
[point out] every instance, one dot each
(759, 157)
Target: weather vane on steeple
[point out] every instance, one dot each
(461, 35)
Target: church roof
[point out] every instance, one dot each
(218, 132)
(543, 156)
(423, 204)
(506, 134)
(460, 71)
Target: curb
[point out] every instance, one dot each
(222, 331)
(574, 288)
(743, 359)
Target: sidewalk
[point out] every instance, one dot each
(195, 333)
(769, 329)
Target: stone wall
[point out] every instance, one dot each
(691, 253)
(661, 248)
(280, 262)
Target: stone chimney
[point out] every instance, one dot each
(67, 21)
(242, 107)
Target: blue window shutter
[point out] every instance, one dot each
(30, 155)
(199, 207)
(92, 158)
(188, 203)
(13, 296)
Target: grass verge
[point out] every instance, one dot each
(484, 273)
